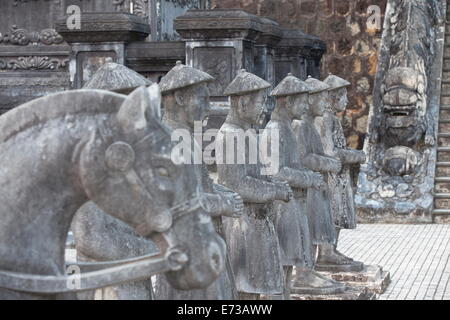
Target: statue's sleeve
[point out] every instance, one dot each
(249, 188)
(349, 156)
(311, 160)
(296, 178)
(320, 163)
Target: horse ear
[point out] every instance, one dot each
(140, 107)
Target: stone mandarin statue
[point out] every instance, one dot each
(252, 240)
(317, 206)
(291, 220)
(185, 101)
(340, 184)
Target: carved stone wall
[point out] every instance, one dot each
(34, 58)
(397, 181)
(351, 46)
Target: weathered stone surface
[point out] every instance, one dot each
(154, 59)
(115, 77)
(164, 12)
(298, 53)
(313, 157)
(95, 145)
(292, 223)
(33, 56)
(372, 278)
(349, 294)
(338, 28)
(182, 76)
(253, 235)
(105, 27)
(181, 114)
(402, 132)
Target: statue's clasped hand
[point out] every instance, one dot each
(225, 204)
(234, 204)
(337, 167)
(319, 182)
(284, 191)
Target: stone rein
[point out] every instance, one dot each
(104, 274)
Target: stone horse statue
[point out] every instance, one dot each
(62, 150)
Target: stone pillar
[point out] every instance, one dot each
(266, 53)
(220, 42)
(298, 53)
(164, 12)
(102, 36)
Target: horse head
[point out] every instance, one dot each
(129, 174)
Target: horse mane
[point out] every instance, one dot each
(61, 104)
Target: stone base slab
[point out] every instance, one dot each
(355, 267)
(358, 293)
(374, 278)
(319, 291)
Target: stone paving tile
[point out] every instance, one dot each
(417, 257)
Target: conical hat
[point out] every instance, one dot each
(182, 76)
(245, 82)
(336, 82)
(316, 86)
(290, 86)
(116, 77)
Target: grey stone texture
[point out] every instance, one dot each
(313, 157)
(402, 126)
(335, 144)
(186, 100)
(95, 145)
(252, 239)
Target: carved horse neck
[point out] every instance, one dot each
(43, 194)
(40, 142)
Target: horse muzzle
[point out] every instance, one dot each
(205, 265)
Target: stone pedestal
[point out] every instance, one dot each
(298, 53)
(154, 59)
(220, 42)
(102, 36)
(350, 294)
(372, 278)
(163, 12)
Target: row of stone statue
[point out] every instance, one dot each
(272, 225)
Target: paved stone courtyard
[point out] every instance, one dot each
(417, 256)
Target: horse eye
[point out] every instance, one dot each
(163, 172)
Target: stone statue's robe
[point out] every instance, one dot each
(318, 209)
(340, 184)
(291, 220)
(251, 239)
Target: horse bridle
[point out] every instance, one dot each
(96, 275)
(91, 276)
